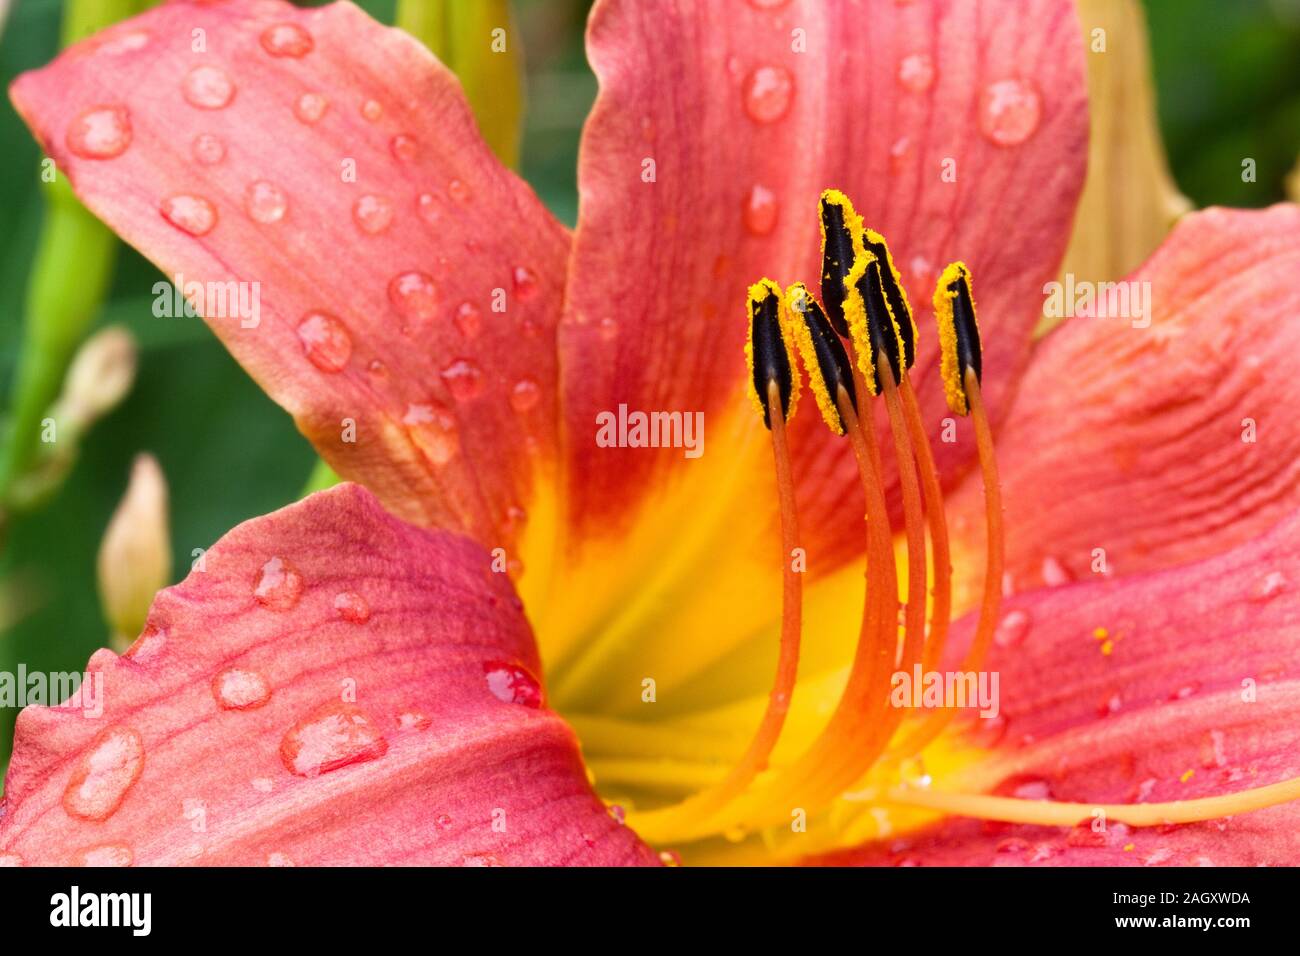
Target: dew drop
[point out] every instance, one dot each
(239, 689)
(463, 378)
(616, 813)
(403, 147)
(608, 328)
(525, 395)
(332, 736)
(1212, 749)
(208, 88)
(513, 684)
(1269, 587)
(190, 214)
(278, 859)
(427, 208)
(325, 341)
(768, 91)
(208, 149)
(1009, 111)
(443, 821)
(414, 296)
(100, 132)
(760, 210)
(372, 214)
(916, 72)
(458, 191)
(670, 858)
(352, 607)
(525, 282)
(125, 43)
(1012, 629)
(286, 39)
(262, 784)
(265, 202)
(372, 110)
(412, 720)
(310, 107)
(280, 585)
(433, 429)
(104, 774)
(109, 854)
(1054, 573)
(468, 319)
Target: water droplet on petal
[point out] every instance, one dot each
(458, 191)
(1055, 573)
(111, 854)
(916, 72)
(670, 858)
(412, 720)
(104, 774)
(608, 328)
(278, 859)
(414, 296)
(262, 784)
(325, 341)
(310, 107)
(463, 378)
(10, 860)
(433, 429)
(208, 88)
(238, 689)
(403, 147)
(280, 585)
(427, 208)
(768, 91)
(100, 132)
(525, 282)
(513, 684)
(443, 821)
(898, 154)
(332, 736)
(1012, 629)
(352, 607)
(760, 210)
(1212, 749)
(372, 110)
(373, 214)
(525, 395)
(286, 39)
(125, 43)
(468, 319)
(1009, 111)
(1269, 587)
(265, 202)
(208, 149)
(190, 214)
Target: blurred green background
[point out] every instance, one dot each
(1228, 85)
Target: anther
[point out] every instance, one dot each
(823, 355)
(872, 323)
(895, 294)
(839, 225)
(959, 335)
(769, 350)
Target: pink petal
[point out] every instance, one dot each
(335, 162)
(745, 131)
(262, 717)
(1134, 441)
(1190, 690)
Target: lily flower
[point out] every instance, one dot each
(358, 678)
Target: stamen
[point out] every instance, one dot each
(823, 354)
(873, 327)
(895, 294)
(771, 357)
(983, 806)
(768, 351)
(839, 226)
(959, 334)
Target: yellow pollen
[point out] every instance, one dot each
(796, 297)
(949, 366)
(1187, 775)
(759, 292)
